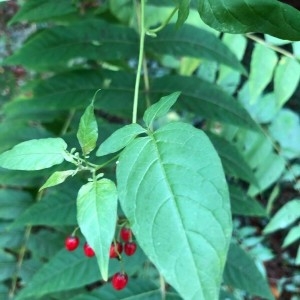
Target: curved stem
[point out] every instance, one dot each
(141, 22)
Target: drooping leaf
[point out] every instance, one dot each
(241, 272)
(286, 80)
(242, 204)
(183, 12)
(34, 154)
(41, 10)
(242, 16)
(97, 216)
(87, 39)
(120, 139)
(56, 178)
(233, 162)
(176, 176)
(160, 108)
(284, 217)
(192, 41)
(263, 62)
(88, 131)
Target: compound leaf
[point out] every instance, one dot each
(175, 175)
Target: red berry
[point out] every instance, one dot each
(129, 248)
(119, 281)
(88, 250)
(126, 234)
(115, 250)
(71, 243)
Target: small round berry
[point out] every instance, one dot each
(129, 248)
(71, 243)
(126, 234)
(88, 250)
(119, 281)
(115, 250)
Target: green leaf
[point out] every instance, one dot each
(57, 207)
(160, 108)
(284, 217)
(13, 203)
(57, 177)
(88, 130)
(233, 162)
(87, 39)
(183, 12)
(204, 98)
(286, 80)
(97, 217)
(242, 204)
(34, 154)
(175, 175)
(241, 272)
(268, 16)
(194, 42)
(292, 236)
(40, 10)
(120, 139)
(8, 265)
(263, 62)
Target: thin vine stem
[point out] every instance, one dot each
(141, 24)
(268, 45)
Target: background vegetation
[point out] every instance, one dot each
(241, 88)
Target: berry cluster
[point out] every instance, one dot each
(120, 279)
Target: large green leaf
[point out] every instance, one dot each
(242, 273)
(8, 265)
(176, 177)
(183, 11)
(97, 217)
(88, 130)
(285, 216)
(87, 39)
(40, 10)
(240, 16)
(34, 154)
(195, 42)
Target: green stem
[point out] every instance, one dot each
(141, 22)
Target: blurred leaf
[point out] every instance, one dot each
(10, 238)
(285, 129)
(292, 236)
(97, 217)
(34, 154)
(242, 273)
(13, 203)
(233, 162)
(284, 217)
(120, 139)
(160, 174)
(242, 204)
(8, 265)
(88, 130)
(263, 62)
(41, 10)
(268, 16)
(160, 108)
(286, 80)
(194, 42)
(183, 12)
(87, 39)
